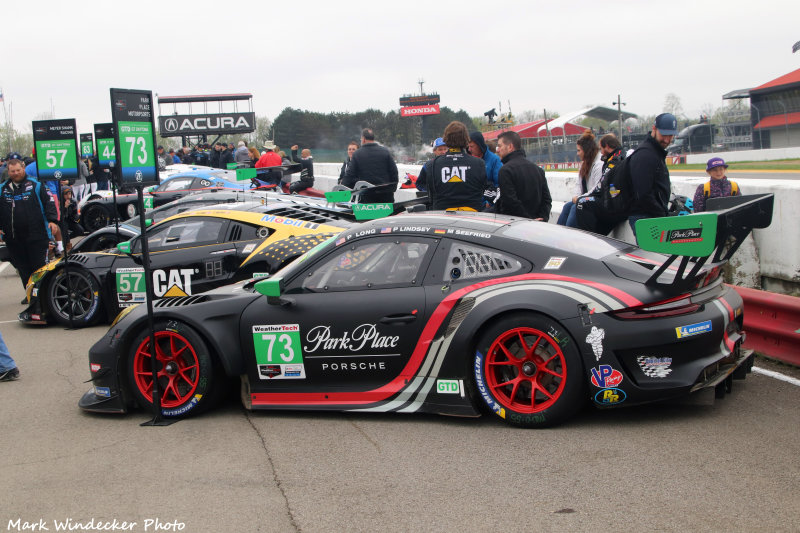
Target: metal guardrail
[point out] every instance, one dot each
(772, 324)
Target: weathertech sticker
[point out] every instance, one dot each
(693, 329)
(655, 367)
(130, 286)
(279, 354)
(554, 263)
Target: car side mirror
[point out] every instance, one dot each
(124, 247)
(272, 288)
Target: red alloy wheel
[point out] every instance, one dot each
(178, 370)
(526, 370)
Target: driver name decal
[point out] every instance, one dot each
(278, 351)
(363, 336)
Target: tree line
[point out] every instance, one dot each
(333, 131)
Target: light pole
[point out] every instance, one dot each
(760, 140)
(619, 103)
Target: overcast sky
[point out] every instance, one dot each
(350, 56)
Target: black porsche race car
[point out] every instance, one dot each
(190, 252)
(452, 313)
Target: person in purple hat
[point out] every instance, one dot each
(719, 184)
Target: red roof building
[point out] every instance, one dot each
(775, 112)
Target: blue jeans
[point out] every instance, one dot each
(568, 216)
(632, 221)
(6, 363)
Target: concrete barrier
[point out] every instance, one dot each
(772, 256)
(769, 154)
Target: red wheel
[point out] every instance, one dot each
(183, 364)
(527, 370)
(178, 368)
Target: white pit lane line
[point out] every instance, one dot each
(777, 375)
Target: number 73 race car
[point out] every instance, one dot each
(452, 313)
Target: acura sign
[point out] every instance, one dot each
(221, 123)
(419, 110)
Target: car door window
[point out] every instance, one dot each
(371, 264)
(176, 184)
(193, 231)
(468, 261)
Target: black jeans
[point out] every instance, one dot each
(28, 256)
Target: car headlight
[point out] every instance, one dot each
(122, 314)
(37, 276)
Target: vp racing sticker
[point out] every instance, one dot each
(279, 353)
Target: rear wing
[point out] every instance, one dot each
(368, 211)
(716, 234)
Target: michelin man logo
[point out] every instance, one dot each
(595, 338)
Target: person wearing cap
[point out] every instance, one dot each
(351, 149)
(649, 172)
(439, 148)
(718, 186)
(270, 158)
(478, 148)
(457, 179)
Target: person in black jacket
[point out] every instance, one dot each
(649, 172)
(351, 149)
(28, 219)
(523, 186)
(225, 156)
(307, 174)
(213, 158)
(374, 164)
(456, 180)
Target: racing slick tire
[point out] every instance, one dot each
(78, 293)
(188, 381)
(527, 371)
(94, 217)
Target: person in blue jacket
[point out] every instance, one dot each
(478, 148)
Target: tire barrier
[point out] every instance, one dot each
(772, 323)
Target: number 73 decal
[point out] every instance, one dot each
(278, 351)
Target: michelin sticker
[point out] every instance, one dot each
(655, 367)
(595, 339)
(482, 388)
(693, 329)
(279, 354)
(554, 263)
